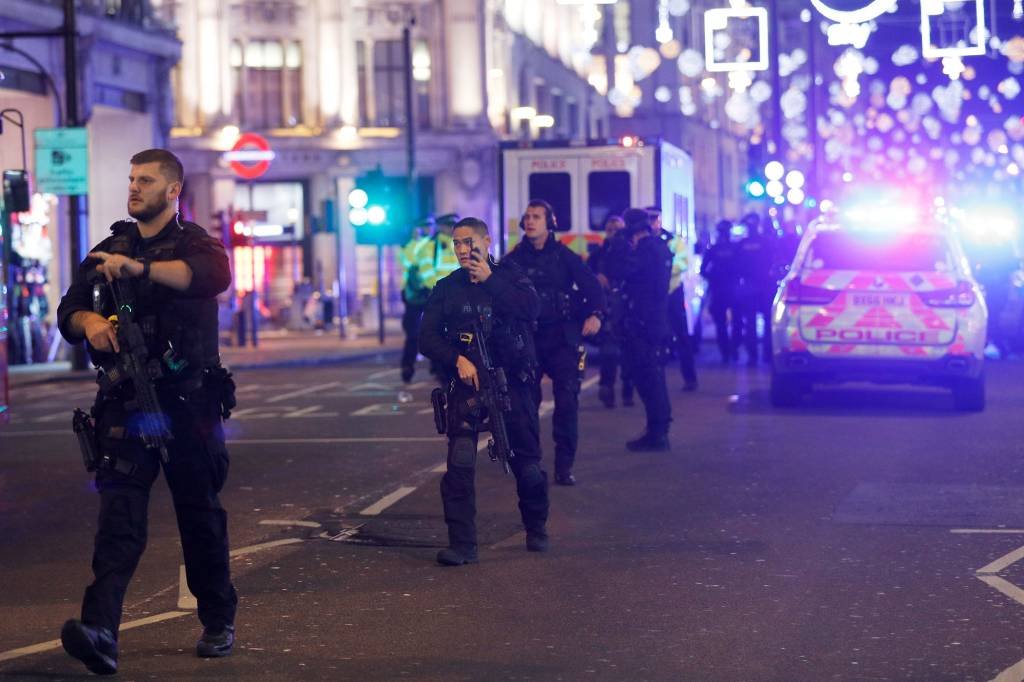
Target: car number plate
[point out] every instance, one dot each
(875, 300)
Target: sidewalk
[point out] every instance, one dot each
(277, 348)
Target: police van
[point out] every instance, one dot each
(587, 183)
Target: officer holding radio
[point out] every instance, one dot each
(571, 307)
(163, 275)
(499, 298)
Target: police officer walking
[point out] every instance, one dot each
(571, 307)
(501, 297)
(613, 249)
(720, 269)
(757, 287)
(679, 326)
(645, 283)
(173, 271)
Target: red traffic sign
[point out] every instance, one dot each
(250, 157)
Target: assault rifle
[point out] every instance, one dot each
(495, 397)
(134, 366)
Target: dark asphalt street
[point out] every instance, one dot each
(873, 534)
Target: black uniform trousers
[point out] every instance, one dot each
(680, 329)
(458, 489)
(753, 302)
(610, 364)
(560, 361)
(643, 357)
(195, 473)
(727, 335)
(411, 319)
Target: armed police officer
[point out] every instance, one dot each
(163, 275)
(720, 268)
(571, 307)
(602, 261)
(498, 302)
(645, 276)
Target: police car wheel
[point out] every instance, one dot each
(969, 395)
(786, 391)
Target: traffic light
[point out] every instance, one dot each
(378, 209)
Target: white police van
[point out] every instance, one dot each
(587, 183)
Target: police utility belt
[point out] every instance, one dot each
(216, 381)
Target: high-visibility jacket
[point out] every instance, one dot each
(409, 259)
(437, 259)
(680, 258)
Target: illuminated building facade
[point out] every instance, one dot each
(323, 82)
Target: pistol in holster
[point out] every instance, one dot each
(85, 430)
(439, 401)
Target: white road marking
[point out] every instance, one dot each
(440, 468)
(967, 531)
(52, 417)
(1015, 673)
(241, 551)
(1003, 562)
(186, 600)
(511, 541)
(377, 410)
(312, 411)
(386, 501)
(55, 643)
(370, 387)
(244, 412)
(1004, 586)
(303, 391)
(289, 522)
(383, 373)
(589, 382)
(546, 408)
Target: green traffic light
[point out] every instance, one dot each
(376, 215)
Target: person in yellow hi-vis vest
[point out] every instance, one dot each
(434, 260)
(681, 344)
(414, 293)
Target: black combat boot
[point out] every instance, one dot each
(92, 645)
(452, 556)
(216, 642)
(606, 394)
(537, 540)
(649, 443)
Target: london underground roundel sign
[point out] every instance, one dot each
(852, 11)
(250, 157)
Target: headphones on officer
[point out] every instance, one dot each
(549, 214)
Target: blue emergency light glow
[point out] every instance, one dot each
(989, 223)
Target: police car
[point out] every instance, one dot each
(881, 295)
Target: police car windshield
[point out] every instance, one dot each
(839, 250)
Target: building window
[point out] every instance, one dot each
(268, 83)
(574, 120)
(607, 194)
(556, 189)
(380, 68)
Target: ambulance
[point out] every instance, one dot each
(879, 293)
(586, 183)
